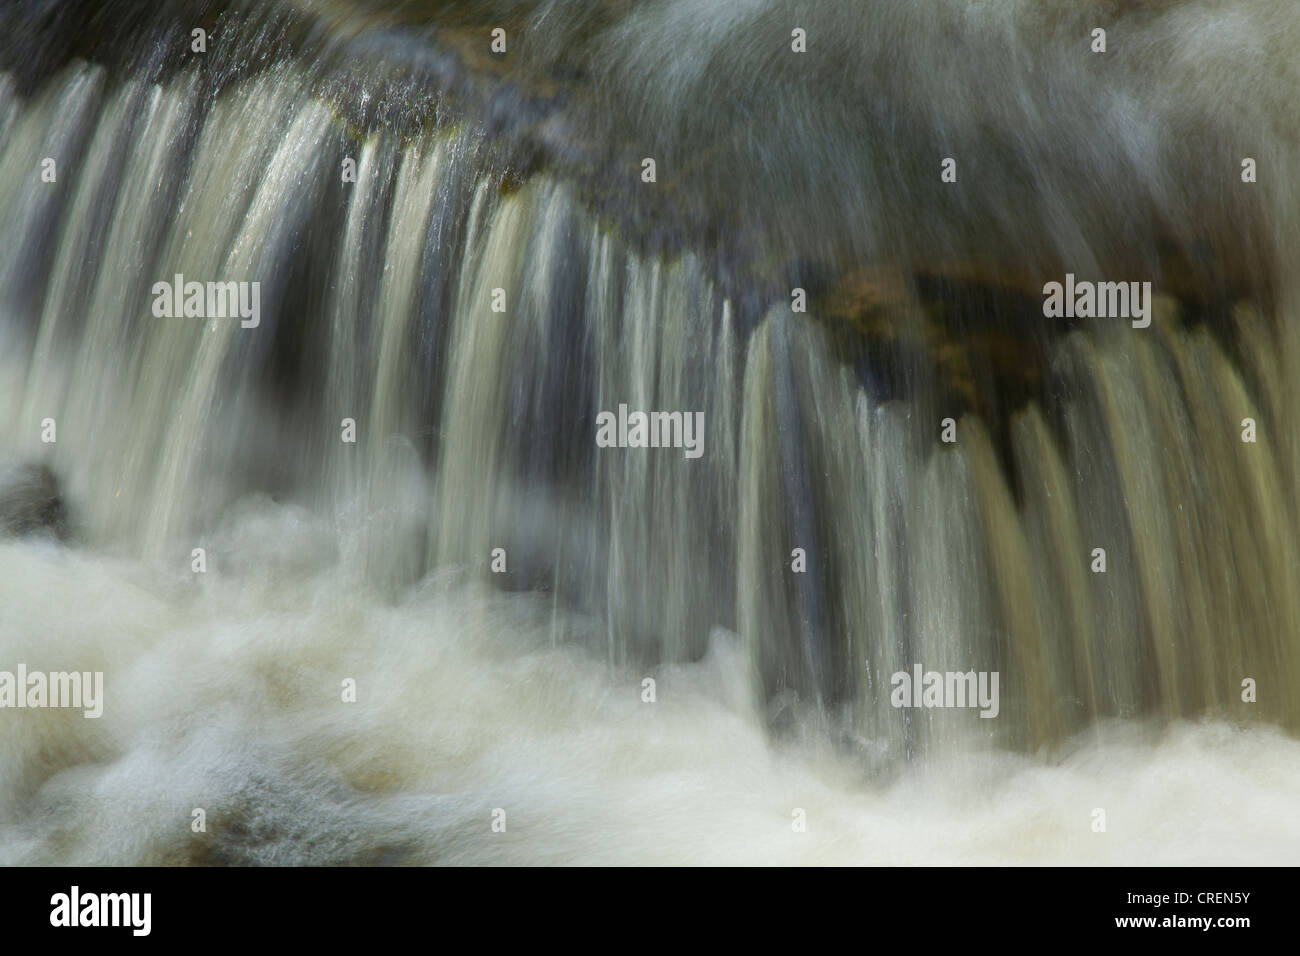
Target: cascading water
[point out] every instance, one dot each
(467, 312)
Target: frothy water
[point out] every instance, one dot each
(224, 696)
(326, 560)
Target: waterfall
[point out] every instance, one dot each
(497, 581)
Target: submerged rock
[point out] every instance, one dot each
(31, 503)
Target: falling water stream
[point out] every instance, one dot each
(328, 560)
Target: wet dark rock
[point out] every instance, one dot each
(31, 502)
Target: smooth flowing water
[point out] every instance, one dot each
(327, 560)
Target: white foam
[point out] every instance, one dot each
(223, 692)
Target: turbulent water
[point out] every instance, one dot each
(327, 560)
